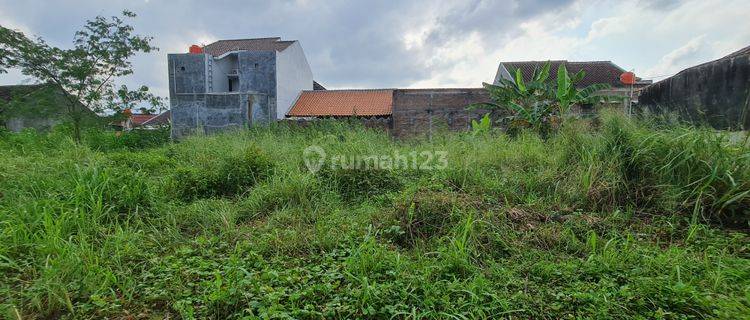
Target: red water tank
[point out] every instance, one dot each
(195, 49)
(627, 78)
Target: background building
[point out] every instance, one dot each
(235, 83)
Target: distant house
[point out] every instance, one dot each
(715, 93)
(343, 103)
(144, 121)
(235, 83)
(37, 106)
(403, 112)
(596, 72)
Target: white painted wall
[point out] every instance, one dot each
(502, 72)
(293, 75)
(221, 67)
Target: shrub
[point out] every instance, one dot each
(361, 183)
(105, 140)
(146, 161)
(100, 191)
(281, 192)
(424, 214)
(225, 177)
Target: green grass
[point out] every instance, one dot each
(614, 218)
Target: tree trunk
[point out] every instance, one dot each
(75, 115)
(77, 130)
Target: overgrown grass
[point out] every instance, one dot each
(608, 219)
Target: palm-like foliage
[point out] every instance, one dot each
(541, 103)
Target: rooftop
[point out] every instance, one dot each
(150, 119)
(342, 103)
(596, 71)
(221, 47)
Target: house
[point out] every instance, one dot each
(144, 121)
(235, 83)
(373, 107)
(37, 106)
(596, 72)
(716, 93)
(403, 112)
(343, 103)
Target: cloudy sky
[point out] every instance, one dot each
(431, 43)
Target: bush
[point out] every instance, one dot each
(225, 177)
(281, 192)
(424, 214)
(109, 194)
(361, 183)
(131, 140)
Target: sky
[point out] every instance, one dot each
(413, 44)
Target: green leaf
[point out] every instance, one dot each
(543, 74)
(519, 81)
(563, 82)
(590, 91)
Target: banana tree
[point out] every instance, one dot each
(540, 103)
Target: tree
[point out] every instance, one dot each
(540, 104)
(85, 73)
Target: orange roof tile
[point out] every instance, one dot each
(139, 119)
(362, 102)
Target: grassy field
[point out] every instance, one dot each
(609, 219)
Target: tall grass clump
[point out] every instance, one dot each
(215, 175)
(699, 172)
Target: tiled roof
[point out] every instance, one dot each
(140, 119)
(596, 71)
(221, 47)
(150, 119)
(161, 119)
(342, 103)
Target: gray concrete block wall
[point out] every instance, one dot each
(212, 113)
(187, 73)
(194, 110)
(257, 71)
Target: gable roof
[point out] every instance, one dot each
(150, 119)
(160, 119)
(221, 47)
(7, 92)
(343, 103)
(596, 71)
(140, 119)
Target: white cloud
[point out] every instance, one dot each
(678, 59)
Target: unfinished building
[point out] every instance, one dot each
(235, 83)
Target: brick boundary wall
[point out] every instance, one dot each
(425, 111)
